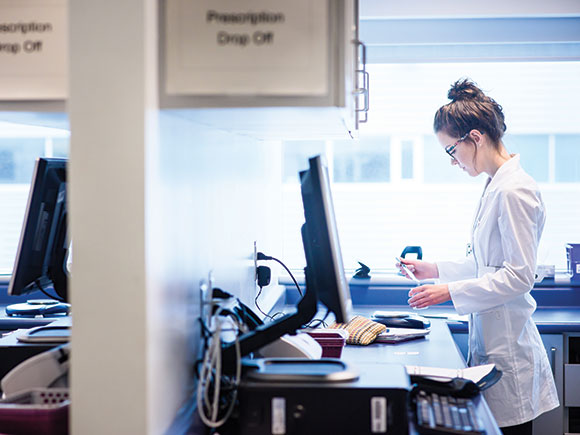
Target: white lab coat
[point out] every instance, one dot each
(493, 286)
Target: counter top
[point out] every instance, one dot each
(437, 349)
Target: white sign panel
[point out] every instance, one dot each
(249, 47)
(33, 50)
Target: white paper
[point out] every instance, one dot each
(474, 374)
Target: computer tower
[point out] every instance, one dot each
(375, 403)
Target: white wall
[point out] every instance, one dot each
(211, 194)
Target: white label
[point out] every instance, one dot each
(33, 49)
(378, 414)
(278, 416)
(578, 268)
(254, 47)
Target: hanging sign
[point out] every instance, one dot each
(249, 47)
(33, 50)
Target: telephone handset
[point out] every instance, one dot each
(456, 387)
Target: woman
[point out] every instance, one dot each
(493, 283)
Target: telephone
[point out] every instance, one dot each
(456, 386)
(46, 370)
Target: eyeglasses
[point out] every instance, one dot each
(450, 149)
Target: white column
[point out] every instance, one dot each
(112, 94)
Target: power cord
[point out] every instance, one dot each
(57, 298)
(258, 306)
(262, 256)
(322, 322)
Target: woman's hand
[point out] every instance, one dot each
(421, 269)
(426, 295)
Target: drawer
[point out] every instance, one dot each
(571, 384)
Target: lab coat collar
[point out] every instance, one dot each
(505, 170)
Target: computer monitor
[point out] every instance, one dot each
(42, 251)
(324, 271)
(324, 266)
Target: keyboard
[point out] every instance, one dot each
(441, 414)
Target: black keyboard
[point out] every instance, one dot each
(440, 414)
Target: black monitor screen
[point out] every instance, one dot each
(42, 250)
(324, 266)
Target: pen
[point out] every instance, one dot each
(407, 270)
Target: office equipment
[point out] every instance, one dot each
(44, 334)
(300, 370)
(573, 260)
(376, 403)
(45, 370)
(324, 271)
(442, 398)
(445, 414)
(413, 250)
(483, 376)
(363, 272)
(43, 247)
(396, 335)
(410, 320)
(38, 309)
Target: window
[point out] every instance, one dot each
(394, 186)
(20, 145)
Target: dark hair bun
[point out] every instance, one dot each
(464, 89)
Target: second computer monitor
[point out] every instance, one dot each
(43, 247)
(324, 267)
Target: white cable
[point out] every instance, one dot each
(213, 352)
(205, 380)
(218, 376)
(212, 361)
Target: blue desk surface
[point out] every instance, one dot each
(438, 349)
(558, 301)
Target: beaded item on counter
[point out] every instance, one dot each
(361, 330)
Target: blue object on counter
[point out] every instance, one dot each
(412, 250)
(573, 258)
(362, 272)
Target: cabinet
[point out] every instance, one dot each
(552, 422)
(572, 383)
(33, 55)
(273, 70)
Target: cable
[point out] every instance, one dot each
(320, 321)
(258, 306)
(212, 383)
(262, 256)
(56, 298)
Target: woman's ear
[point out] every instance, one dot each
(476, 136)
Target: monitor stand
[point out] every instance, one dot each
(38, 307)
(269, 332)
